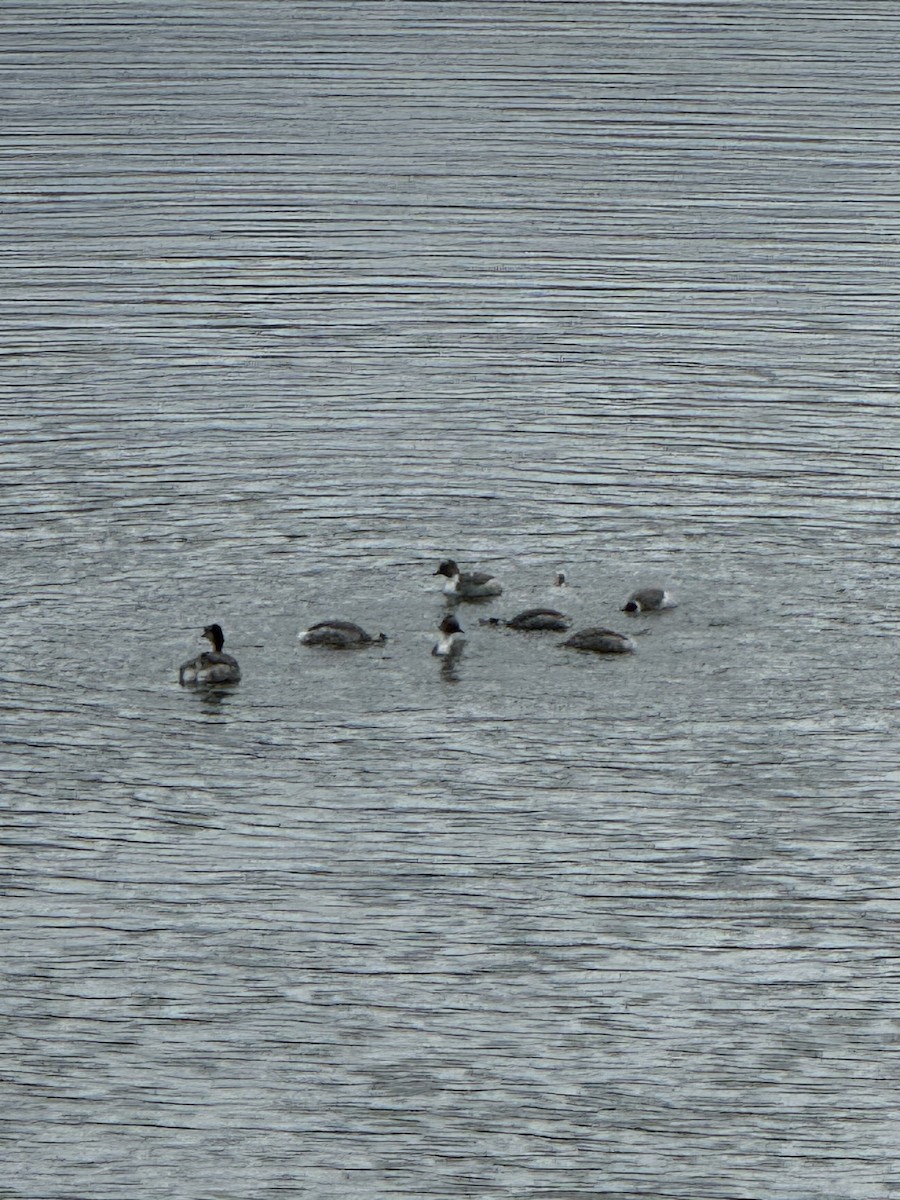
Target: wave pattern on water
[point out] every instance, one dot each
(300, 299)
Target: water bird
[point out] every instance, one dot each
(651, 599)
(452, 639)
(467, 585)
(341, 635)
(212, 666)
(560, 579)
(601, 641)
(533, 619)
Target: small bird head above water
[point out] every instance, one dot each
(451, 640)
(214, 634)
(560, 580)
(448, 567)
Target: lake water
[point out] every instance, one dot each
(299, 299)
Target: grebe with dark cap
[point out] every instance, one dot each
(467, 585)
(212, 666)
(452, 638)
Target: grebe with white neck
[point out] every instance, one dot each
(467, 585)
(452, 639)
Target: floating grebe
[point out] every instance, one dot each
(467, 585)
(532, 619)
(651, 599)
(342, 635)
(601, 641)
(212, 666)
(452, 638)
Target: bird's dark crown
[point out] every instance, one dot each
(214, 634)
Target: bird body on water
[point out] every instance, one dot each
(651, 599)
(533, 619)
(467, 585)
(341, 635)
(212, 666)
(601, 641)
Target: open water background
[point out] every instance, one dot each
(298, 299)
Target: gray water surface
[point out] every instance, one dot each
(299, 299)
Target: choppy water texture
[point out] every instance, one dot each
(299, 299)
